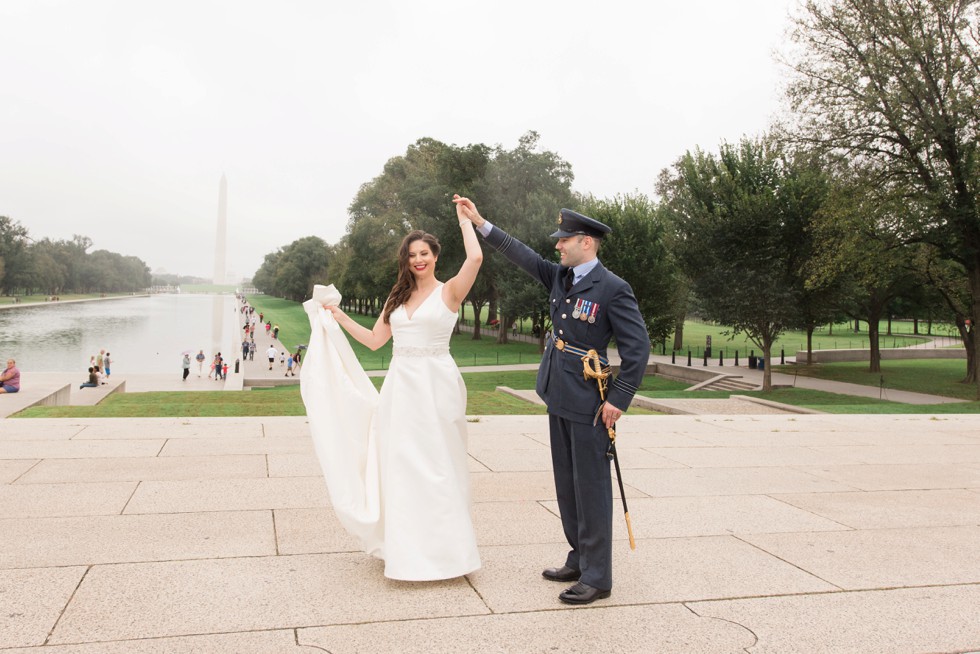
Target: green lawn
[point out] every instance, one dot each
(295, 328)
(938, 377)
(483, 400)
(695, 333)
(840, 337)
(931, 376)
(294, 325)
(280, 401)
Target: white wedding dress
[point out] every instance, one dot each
(396, 465)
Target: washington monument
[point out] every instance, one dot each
(220, 245)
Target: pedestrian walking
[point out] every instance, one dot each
(187, 367)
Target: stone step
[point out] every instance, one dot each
(730, 384)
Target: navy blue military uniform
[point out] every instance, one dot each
(599, 307)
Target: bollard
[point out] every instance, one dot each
(673, 356)
(721, 358)
(706, 358)
(688, 358)
(236, 366)
(782, 356)
(736, 358)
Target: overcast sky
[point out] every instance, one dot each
(118, 118)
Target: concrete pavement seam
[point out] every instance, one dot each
(789, 563)
(755, 636)
(61, 613)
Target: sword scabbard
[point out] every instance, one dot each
(629, 529)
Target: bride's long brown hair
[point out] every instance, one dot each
(405, 285)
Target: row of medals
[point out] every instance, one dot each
(585, 310)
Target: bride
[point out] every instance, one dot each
(418, 496)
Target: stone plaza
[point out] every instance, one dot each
(755, 533)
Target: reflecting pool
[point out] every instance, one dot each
(143, 334)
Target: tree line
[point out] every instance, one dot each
(861, 200)
(50, 267)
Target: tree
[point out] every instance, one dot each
(292, 271)
(302, 265)
(525, 189)
(14, 254)
(892, 85)
(858, 251)
(806, 185)
(736, 221)
(264, 278)
(636, 250)
(414, 191)
(50, 266)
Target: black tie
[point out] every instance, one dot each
(569, 278)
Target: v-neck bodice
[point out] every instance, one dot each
(430, 326)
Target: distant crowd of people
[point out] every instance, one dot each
(251, 319)
(100, 365)
(99, 370)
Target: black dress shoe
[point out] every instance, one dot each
(582, 594)
(563, 573)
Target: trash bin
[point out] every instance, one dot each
(762, 363)
(753, 361)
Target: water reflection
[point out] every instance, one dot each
(143, 334)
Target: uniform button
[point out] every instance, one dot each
(567, 301)
(561, 331)
(563, 316)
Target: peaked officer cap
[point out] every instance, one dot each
(572, 223)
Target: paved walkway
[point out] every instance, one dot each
(755, 533)
(784, 379)
(810, 533)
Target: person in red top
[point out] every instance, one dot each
(10, 378)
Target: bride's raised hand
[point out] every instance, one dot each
(466, 210)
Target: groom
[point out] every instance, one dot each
(589, 306)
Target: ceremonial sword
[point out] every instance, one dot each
(593, 370)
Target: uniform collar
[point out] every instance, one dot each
(584, 269)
